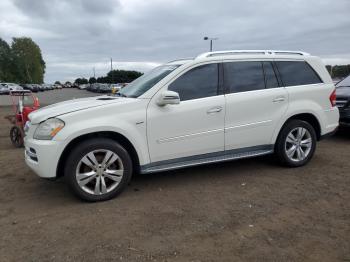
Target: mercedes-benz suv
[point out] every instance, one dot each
(216, 107)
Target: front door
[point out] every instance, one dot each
(196, 125)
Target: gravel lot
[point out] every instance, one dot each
(249, 210)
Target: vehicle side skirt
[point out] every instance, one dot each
(207, 158)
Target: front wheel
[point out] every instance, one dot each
(98, 169)
(296, 143)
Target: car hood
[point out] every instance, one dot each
(72, 106)
(343, 91)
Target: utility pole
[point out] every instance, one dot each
(111, 71)
(93, 69)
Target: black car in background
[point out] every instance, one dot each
(30, 87)
(343, 100)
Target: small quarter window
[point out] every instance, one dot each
(294, 73)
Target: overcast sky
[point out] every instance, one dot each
(77, 35)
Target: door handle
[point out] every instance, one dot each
(279, 99)
(216, 109)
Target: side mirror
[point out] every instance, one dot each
(168, 98)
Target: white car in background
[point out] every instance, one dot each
(216, 107)
(5, 88)
(83, 86)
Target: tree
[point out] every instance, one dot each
(122, 76)
(57, 83)
(92, 80)
(30, 66)
(338, 71)
(7, 65)
(81, 81)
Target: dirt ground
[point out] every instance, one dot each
(249, 210)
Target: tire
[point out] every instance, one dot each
(298, 151)
(102, 166)
(16, 136)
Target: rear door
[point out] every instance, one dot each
(255, 102)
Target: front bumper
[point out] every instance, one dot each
(42, 156)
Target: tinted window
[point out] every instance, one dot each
(295, 73)
(243, 76)
(270, 76)
(199, 82)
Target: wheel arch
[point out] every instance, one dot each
(307, 117)
(121, 139)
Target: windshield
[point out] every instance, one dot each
(146, 81)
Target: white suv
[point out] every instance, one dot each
(219, 106)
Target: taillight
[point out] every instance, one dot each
(333, 98)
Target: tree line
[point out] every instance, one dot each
(114, 76)
(338, 71)
(21, 61)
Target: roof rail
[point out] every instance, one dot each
(255, 52)
(180, 59)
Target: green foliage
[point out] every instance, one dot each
(92, 80)
(81, 81)
(22, 62)
(6, 62)
(57, 83)
(338, 71)
(119, 76)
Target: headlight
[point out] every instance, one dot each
(48, 129)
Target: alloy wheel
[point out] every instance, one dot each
(298, 144)
(99, 172)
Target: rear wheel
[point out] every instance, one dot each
(296, 143)
(98, 169)
(16, 136)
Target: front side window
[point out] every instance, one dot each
(294, 73)
(199, 82)
(243, 76)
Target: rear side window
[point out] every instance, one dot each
(243, 76)
(199, 82)
(270, 76)
(294, 73)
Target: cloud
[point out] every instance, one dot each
(137, 32)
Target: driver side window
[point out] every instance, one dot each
(199, 82)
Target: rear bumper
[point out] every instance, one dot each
(328, 135)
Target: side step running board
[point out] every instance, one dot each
(153, 168)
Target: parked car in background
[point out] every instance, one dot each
(83, 86)
(30, 87)
(4, 89)
(40, 87)
(220, 106)
(94, 87)
(116, 87)
(105, 88)
(7, 87)
(57, 86)
(343, 100)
